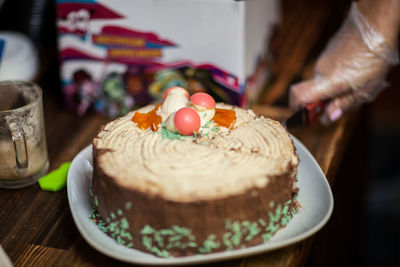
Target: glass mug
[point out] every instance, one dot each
(23, 150)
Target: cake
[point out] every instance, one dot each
(188, 176)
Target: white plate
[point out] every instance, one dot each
(315, 197)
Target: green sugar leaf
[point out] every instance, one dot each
(167, 232)
(227, 242)
(262, 222)
(165, 254)
(266, 237)
(127, 235)
(293, 211)
(236, 239)
(236, 226)
(245, 223)
(117, 230)
(124, 223)
(215, 129)
(147, 230)
(275, 217)
(248, 238)
(113, 226)
(271, 204)
(285, 209)
(156, 250)
(211, 244)
(211, 237)
(158, 238)
(278, 211)
(55, 180)
(177, 243)
(103, 228)
(90, 191)
(272, 228)
(227, 235)
(204, 250)
(254, 230)
(228, 224)
(285, 219)
(207, 124)
(180, 230)
(175, 238)
(192, 244)
(165, 134)
(147, 242)
(128, 205)
(120, 241)
(119, 212)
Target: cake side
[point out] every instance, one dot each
(169, 228)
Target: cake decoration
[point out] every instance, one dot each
(187, 121)
(204, 104)
(175, 88)
(166, 134)
(202, 101)
(197, 111)
(175, 99)
(224, 117)
(149, 119)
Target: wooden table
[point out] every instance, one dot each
(36, 227)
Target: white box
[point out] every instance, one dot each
(213, 45)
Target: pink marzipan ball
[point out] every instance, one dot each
(203, 100)
(186, 121)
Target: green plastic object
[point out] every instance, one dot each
(55, 180)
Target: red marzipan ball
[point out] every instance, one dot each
(175, 87)
(186, 121)
(203, 99)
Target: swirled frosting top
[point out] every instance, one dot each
(222, 164)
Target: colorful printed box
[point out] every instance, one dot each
(118, 54)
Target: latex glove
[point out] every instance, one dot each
(350, 71)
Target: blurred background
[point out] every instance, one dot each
(364, 228)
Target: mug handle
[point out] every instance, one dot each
(20, 149)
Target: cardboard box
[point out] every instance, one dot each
(118, 54)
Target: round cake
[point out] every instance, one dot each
(160, 188)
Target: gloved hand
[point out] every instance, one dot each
(350, 71)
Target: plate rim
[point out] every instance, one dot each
(196, 259)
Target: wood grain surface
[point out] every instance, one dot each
(36, 227)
